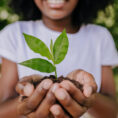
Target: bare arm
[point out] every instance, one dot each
(105, 104)
(12, 107)
(8, 80)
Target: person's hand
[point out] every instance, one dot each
(86, 80)
(74, 101)
(25, 87)
(38, 101)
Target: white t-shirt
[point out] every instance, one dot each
(90, 48)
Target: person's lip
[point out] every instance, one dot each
(56, 4)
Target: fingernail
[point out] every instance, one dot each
(88, 91)
(56, 112)
(20, 86)
(61, 95)
(54, 87)
(28, 89)
(47, 84)
(65, 85)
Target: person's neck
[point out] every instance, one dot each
(59, 25)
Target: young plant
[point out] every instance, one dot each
(56, 54)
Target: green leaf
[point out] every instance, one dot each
(60, 47)
(39, 64)
(37, 46)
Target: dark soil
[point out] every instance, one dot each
(58, 80)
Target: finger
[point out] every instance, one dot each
(31, 78)
(68, 103)
(28, 89)
(58, 112)
(31, 115)
(35, 99)
(27, 84)
(75, 92)
(19, 88)
(25, 90)
(47, 102)
(44, 108)
(87, 90)
(72, 74)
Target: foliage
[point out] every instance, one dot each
(56, 53)
(37, 46)
(39, 64)
(6, 14)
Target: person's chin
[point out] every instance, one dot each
(56, 17)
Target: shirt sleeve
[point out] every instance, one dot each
(7, 43)
(109, 51)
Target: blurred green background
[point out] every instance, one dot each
(109, 19)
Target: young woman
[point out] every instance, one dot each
(91, 49)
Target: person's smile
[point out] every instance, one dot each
(56, 4)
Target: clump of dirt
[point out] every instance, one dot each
(57, 80)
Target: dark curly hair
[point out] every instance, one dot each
(85, 11)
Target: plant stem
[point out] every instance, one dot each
(55, 69)
(55, 73)
(51, 49)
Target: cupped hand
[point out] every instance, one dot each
(25, 86)
(86, 80)
(73, 100)
(38, 101)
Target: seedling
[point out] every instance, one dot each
(55, 54)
